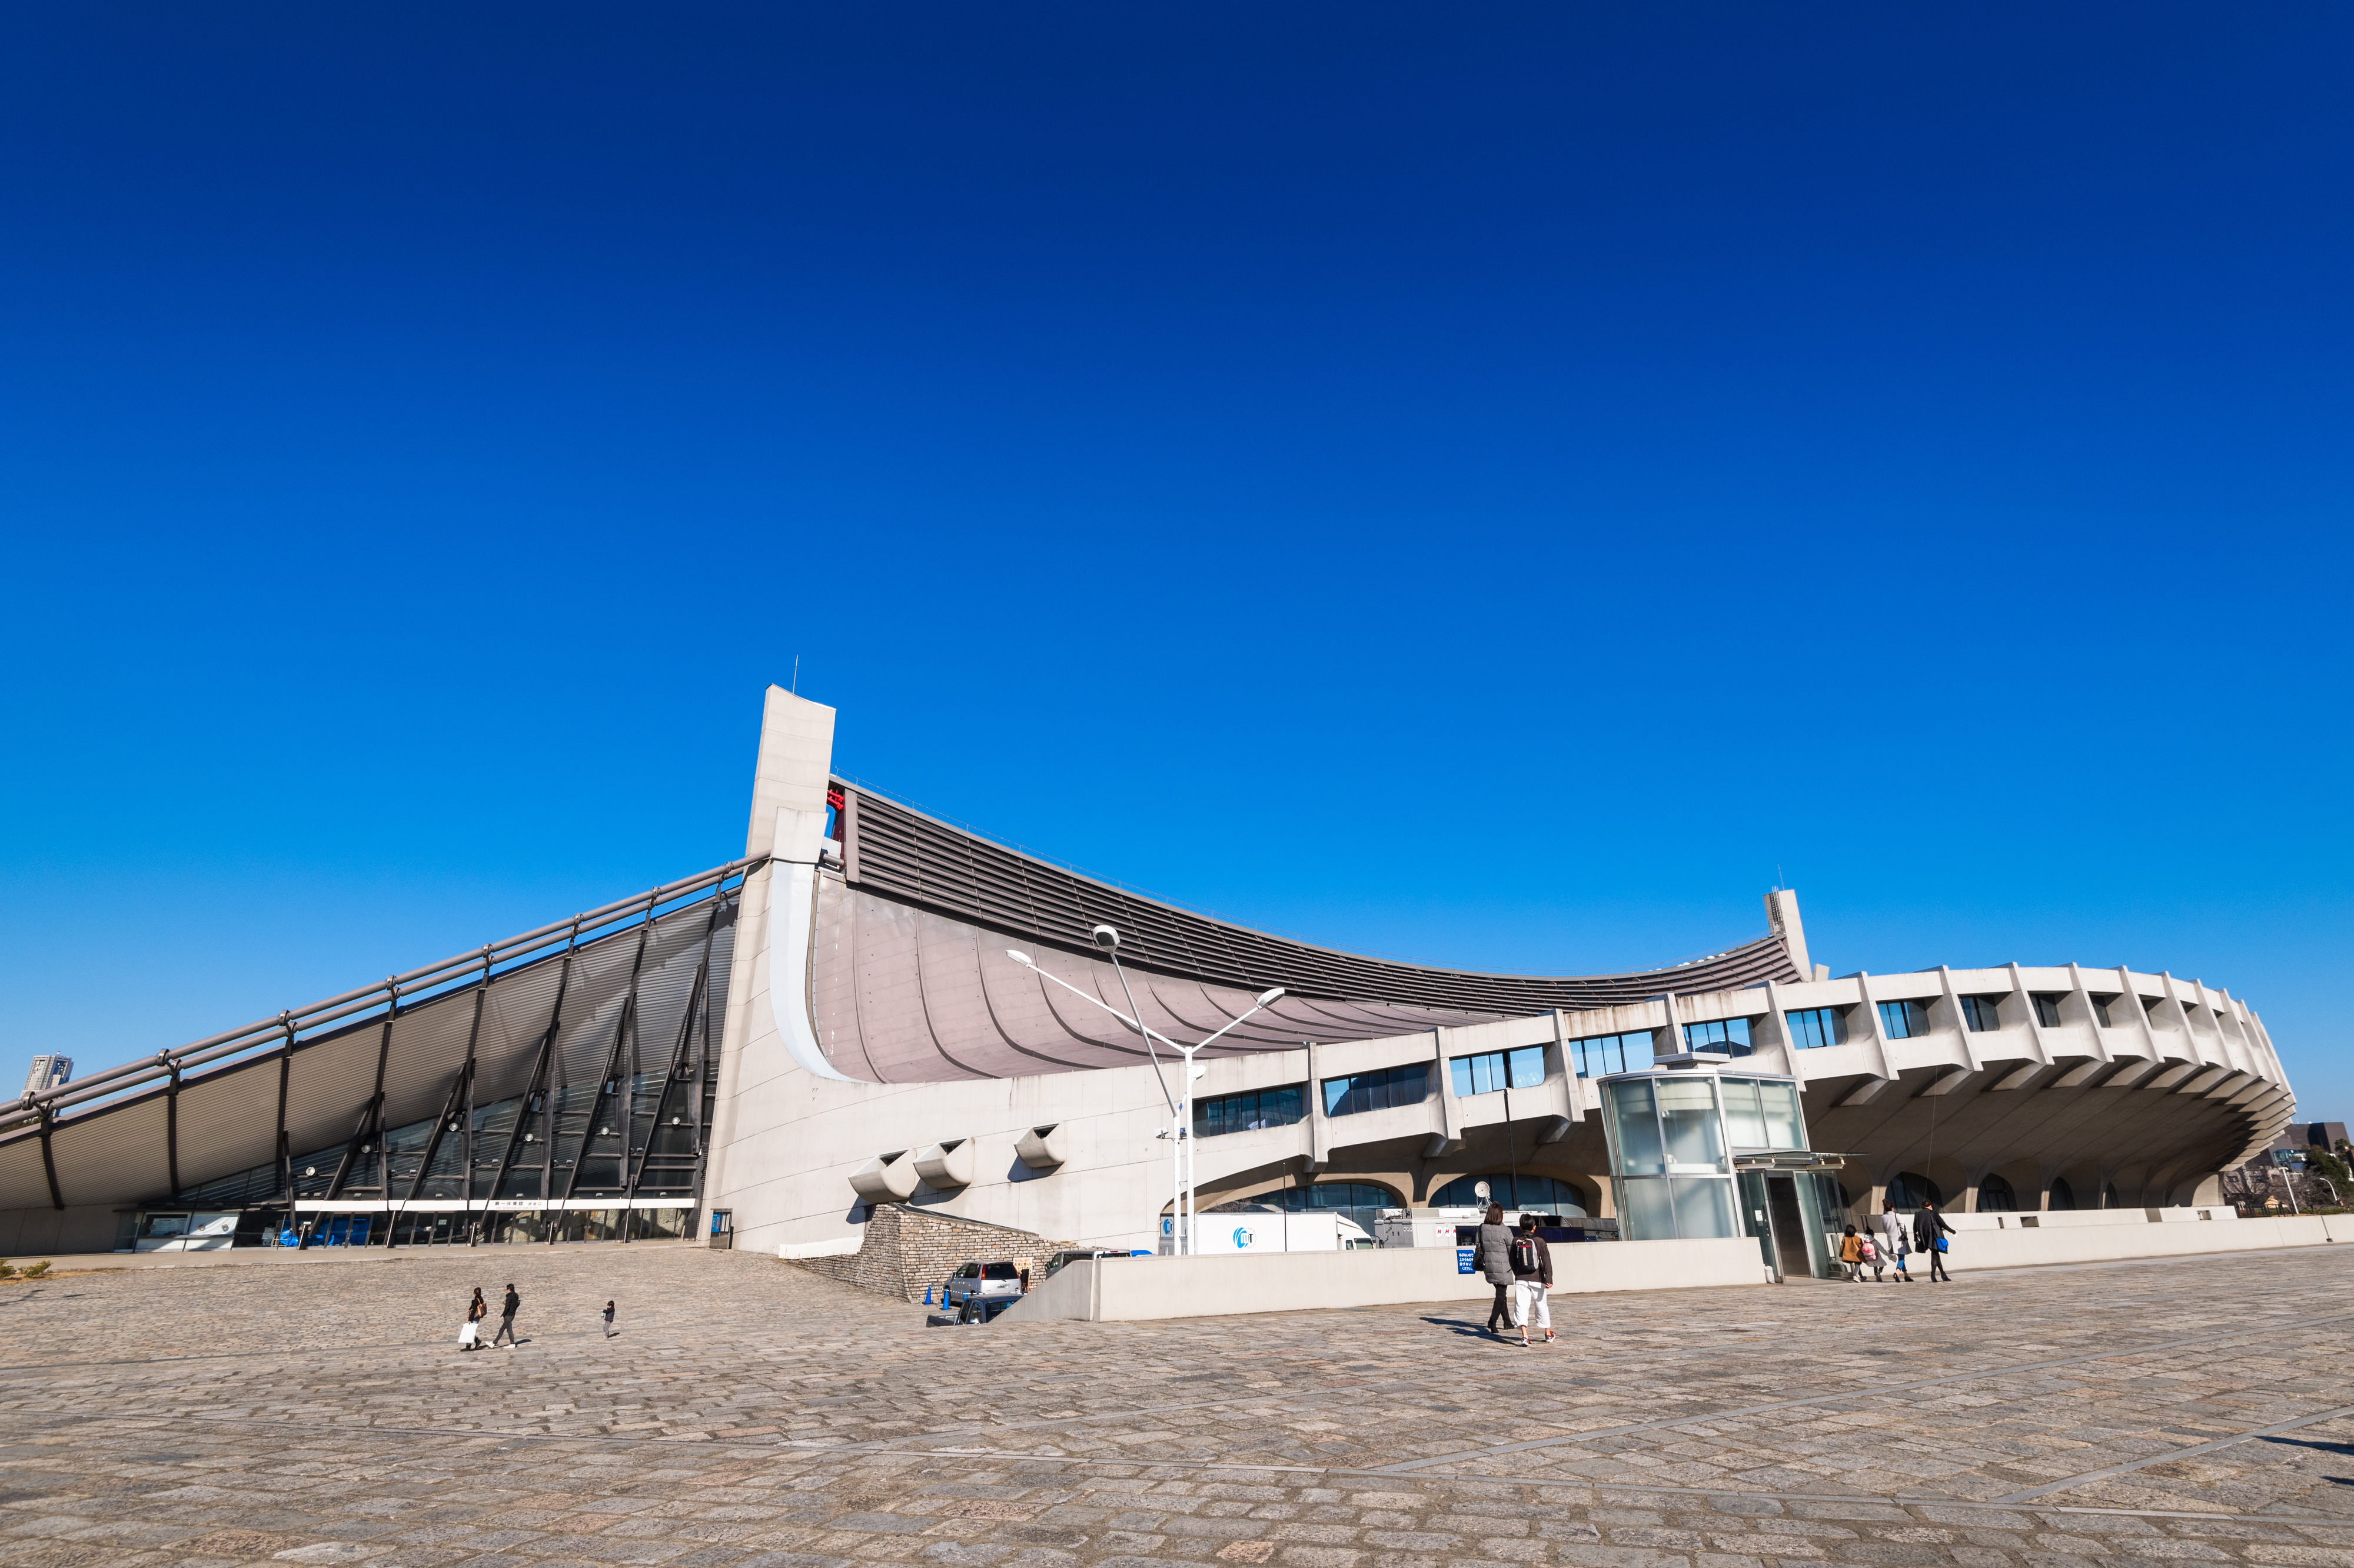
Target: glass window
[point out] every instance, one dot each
(1745, 1119)
(1646, 1212)
(1817, 1026)
(1728, 1036)
(2047, 1009)
(1635, 1124)
(1982, 1014)
(1538, 1194)
(1704, 1206)
(1903, 1019)
(2101, 1011)
(1912, 1189)
(1494, 1070)
(1250, 1112)
(1695, 1138)
(1605, 1053)
(1784, 1127)
(1406, 1085)
(2063, 1196)
(998, 1271)
(1995, 1196)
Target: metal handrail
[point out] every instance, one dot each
(289, 1026)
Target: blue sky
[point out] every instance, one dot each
(1499, 487)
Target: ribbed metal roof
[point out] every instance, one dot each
(899, 852)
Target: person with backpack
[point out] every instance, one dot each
(1869, 1255)
(1892, 1239)
(1929, 1233)
(1850, 1255)
(1494, 1257)
(1531, 1262)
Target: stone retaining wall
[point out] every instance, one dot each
(905, 1250)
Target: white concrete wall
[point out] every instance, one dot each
(1137, 1288)
(2013, 1248)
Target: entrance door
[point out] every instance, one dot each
(1789, 1227)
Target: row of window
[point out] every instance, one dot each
(1538, 1194)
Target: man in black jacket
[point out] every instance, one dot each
(1928, 1226)
(507, 1310)
(1531, 1264)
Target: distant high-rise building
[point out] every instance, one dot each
(47, 1073)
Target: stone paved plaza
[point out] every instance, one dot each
(315, 1409)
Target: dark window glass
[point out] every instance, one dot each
(1605, 1053)
(1816, 1027)
(1406, 1086)
(1728, 1036)
(1982, 1014)
(1995, 1196)
(1912, 1189)
(2101, 1011)
(998, 1271)
(1494, 1070)
(2047, 1009)
(1903, 1019)
(1249, 1112)
(1538, 1194)
(2063, 1196)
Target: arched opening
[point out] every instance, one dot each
(2063, 1196)
(1995, 1196)
(2109, 1196)
(1536, 1195)
(1911, 1190)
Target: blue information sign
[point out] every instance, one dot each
(1467, 1260)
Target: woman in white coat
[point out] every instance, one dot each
(1894, 1237)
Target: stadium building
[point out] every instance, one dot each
(874, 1006)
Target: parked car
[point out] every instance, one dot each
(1056, 1263)
(979, 1290)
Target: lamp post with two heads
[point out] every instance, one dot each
(1180, 1103)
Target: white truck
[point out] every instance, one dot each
(1273, 1231)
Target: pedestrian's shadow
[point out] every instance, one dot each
(1459, 1326)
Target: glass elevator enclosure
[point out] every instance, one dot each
(1696, 1151)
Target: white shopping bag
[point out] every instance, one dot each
(466, 1336)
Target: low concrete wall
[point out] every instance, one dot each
(1129, 1289)
(2013, 1248)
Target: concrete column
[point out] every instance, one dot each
(1318, 1128)
(1446, 1131)
(2091, 1019)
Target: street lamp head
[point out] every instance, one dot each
(1107, 938)
(1022, 958)
(1267, 997)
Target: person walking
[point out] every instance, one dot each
(476, 1310)
(1893, 1238)
(607, 1316)
(1871, 1250)
(1494, 1257)
(1929, 1229)
(1531, 1262)
(1851, 1254)
(507, 1310)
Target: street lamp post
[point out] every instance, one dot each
(1180, 1103)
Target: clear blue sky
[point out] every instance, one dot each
(1497, 486)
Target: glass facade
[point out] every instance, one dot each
(1250, 1112)
(1726, 1037)
(1485, 1074)
(1982, 1014)
(1673, 1137)
(2047, 1009)
(1406, 1085)
(1903, 1019)
(1605, 1053)
(1816, 1027)
(1537, 1195)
